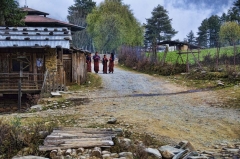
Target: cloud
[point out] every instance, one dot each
(58, 9)
(186, 15)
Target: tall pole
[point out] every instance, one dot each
(20, 86)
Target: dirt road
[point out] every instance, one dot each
(156, 106)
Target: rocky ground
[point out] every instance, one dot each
(145, 104)
(156, 106)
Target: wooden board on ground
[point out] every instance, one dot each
(65, 138)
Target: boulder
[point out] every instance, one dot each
(112, 121)
(37, 107)
(168, 151)
(96, 152)
(127, 155)
(154, 152)
(186, 145)
(29, 157)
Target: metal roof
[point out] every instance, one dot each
(35, 37)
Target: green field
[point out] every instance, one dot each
(172, 56)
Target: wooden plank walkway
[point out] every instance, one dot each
(72, 137)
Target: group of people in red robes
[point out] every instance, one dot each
(96, 60)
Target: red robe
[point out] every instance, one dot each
(88, 61)
(96, 59)
(105, 61)
(111, 65)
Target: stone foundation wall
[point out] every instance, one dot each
(51, 59)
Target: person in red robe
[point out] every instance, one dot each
(96, 59)
(89, 62)
(104, 62)
(111, 63)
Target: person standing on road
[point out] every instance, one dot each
(111, 63)
(96, 59)
(89, 61)
(104, 62)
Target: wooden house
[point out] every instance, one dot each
(178, 46)
(40, 56)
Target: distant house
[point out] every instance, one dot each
(41, 55)
(178, 46)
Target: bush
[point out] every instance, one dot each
(14, 137)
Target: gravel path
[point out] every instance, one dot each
(156, 106)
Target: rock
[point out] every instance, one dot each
(114, 155)
(220, 83)
(53, 153)
(180, 154)
(112, 121)
(125, 141)
(203, 72)
(106, 156)
(119, 131)
(233, 150)
(80, 150)
(197, 157)
(68, 152)
(37, 107)
(96, 152)
(68, 157)
(43, 134)
(56, 94)
(154, 152)
(186, 145)
(168, 151)
(29, 157)
(191, 154)
(127, 155)
(106, 152)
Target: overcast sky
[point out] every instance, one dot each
(186, 15)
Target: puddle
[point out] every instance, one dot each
(167, 94)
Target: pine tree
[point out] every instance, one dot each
(191, 39)
(158, 27)
(77, 15)
(214, 25)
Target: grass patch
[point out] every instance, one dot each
(93, 81)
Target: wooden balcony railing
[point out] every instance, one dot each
(29, 82)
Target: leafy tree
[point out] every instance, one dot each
(159, 27)
(112, 24)
(191, 39)
(230, 31)
(77, 15)
(10, 13)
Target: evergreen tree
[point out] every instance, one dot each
(191, 39)
(10, 13)
(214, 25)
(159, 27)
(203, 33)
(77, 15)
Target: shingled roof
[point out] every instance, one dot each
(35, 18)
(35, 37)
(31, 11)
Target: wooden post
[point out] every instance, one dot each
(187, 64)
(34, 68)
(20, 86)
